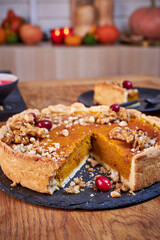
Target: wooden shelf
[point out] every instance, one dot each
(48, 62)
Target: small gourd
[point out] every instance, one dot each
(73, 40)
(105, 9)
(84, 18)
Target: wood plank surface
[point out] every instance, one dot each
(20, 220)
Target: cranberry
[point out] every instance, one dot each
(139, 131)
(102, 183)
(45, 124)
(115, 107)
(127, 84)
(34, 116)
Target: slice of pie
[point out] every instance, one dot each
(108, 93)
(42, 150)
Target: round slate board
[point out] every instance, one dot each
(87, 99)
(83, 200)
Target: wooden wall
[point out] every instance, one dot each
(48, 62)
(56, 13)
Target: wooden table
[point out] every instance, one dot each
(22, 220)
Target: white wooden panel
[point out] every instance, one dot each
(20, 9)
(54, 1)
(53, 10)
(125, 8)
(13, 1)
(121, 23)
(48, 24)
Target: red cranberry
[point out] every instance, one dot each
(102, 183)
(45, 124)
(34, 116)
(127, 84)
(115, 107)
(140, 130)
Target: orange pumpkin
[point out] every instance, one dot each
(108, 34)
(2, 35)
(146, 22)
(30, 34)
(73, 40)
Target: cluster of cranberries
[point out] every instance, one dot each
(42, 124)
(102, 183)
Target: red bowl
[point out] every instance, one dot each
(7, 83)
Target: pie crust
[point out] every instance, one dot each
(76, 128)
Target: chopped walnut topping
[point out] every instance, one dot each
(124, 187)
(1, 108)
(65, 132)
(90, 169)
(123, 123)
(73, 189)
(103, 170)
(112, 116)
(86, 166)
(92, 162)
(133, 193)
(22, 129)
(115, 194)
(75, 186)
(138, 139)
(114, 176)
(14, 184)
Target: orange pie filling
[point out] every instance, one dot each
(127, 142)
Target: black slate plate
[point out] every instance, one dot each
(83, 200)
(12, 104)
(87, 99)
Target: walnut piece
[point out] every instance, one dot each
(138, 138)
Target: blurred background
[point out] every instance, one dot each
(79, 39)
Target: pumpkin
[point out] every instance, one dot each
(105, 10)
(30, 34)
(2, 36)
(72, 40)
(146, 22)
(108, 34)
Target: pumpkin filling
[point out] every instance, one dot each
(112, 154)
(74, 160)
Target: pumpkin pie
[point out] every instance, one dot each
(42, 150)
(108, 93)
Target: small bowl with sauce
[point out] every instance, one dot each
(7, 83)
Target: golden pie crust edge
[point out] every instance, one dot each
(37, 173)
